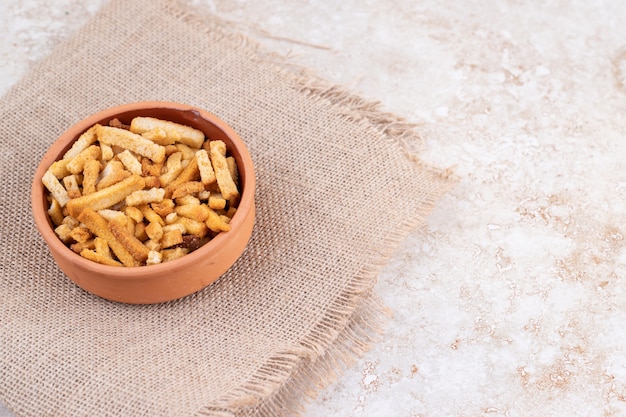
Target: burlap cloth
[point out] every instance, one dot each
(336, 194)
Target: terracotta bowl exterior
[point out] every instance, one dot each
(170, 280)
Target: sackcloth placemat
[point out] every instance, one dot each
(336, 194)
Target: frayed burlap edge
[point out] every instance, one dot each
(354, 322)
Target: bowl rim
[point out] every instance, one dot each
(53, 153)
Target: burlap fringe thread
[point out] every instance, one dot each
(354, 321)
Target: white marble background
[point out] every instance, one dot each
(512, 300)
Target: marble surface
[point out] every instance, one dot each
(512, 299)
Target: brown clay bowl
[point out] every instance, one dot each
(169, 280)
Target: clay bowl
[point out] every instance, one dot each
(169, 280)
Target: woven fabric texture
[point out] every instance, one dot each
(335, 196)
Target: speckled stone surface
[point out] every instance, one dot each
(511, 300)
